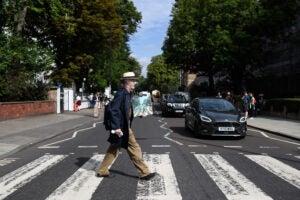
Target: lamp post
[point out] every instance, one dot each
(84, 79)
(111, 57)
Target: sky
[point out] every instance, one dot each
(149, 38)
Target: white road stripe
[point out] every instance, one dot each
(280, 169)
(82, 184)
(18, 178)
(166, 136)
(268, 147)
(233, 146)
(197, 145)
(7, 161)
(161, 145)
(164, 186)
(277, 139)
(87, 147)
(49, 146)
(231, 182)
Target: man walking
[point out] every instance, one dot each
(246, 101)
(121, 133)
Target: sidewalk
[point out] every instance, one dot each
(280, 126)
(18, 133)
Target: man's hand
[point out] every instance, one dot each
(118, 131)
(142, 116)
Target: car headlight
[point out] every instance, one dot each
(243, 119)
(205, 119)
(169, 104)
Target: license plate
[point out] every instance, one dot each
(226, 129)
(179, 111)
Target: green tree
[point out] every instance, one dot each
(224, 36)
(83, 36)
(22, 64)
(23, 60)
(162, 76)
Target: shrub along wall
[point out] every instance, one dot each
(13, 110)
(284, 107)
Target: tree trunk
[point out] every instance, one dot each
(237, 76)
(20, 18)
(211, 83)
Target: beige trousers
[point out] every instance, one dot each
(96, 109)
(135, 153)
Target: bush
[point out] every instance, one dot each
(292, 105)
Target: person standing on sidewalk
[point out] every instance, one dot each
(77, 103)
(121, 119)
(246, 102)
(252, 105)
(96, 105)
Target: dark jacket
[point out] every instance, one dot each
(120, 109)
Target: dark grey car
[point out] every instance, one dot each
(215, 117)
(173, 104)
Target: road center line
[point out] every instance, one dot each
(49, 146)
(166, 136)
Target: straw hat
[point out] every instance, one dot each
(129, 76)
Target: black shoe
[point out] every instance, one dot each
(148, 177)
(105, 175)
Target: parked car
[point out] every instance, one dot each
(173, 104)
(215, 117)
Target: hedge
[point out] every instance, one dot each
(292, 105)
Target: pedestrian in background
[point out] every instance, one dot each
(229, 97)
(252, 103)
(121, 135)
(260, 103)
(219, 96)
(77, 103)
(245, 102)
(92, 102)
(97, 104)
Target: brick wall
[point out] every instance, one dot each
(13, 110)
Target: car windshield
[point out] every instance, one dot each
(217, 105)
(176, 99)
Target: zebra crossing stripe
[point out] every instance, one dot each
(18, 178)
(82, 184)
(284, 171)
(231, 182)
(162, 187)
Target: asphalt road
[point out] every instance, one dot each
(261, 166)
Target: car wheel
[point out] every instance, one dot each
(163, 114)
(196, 129)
